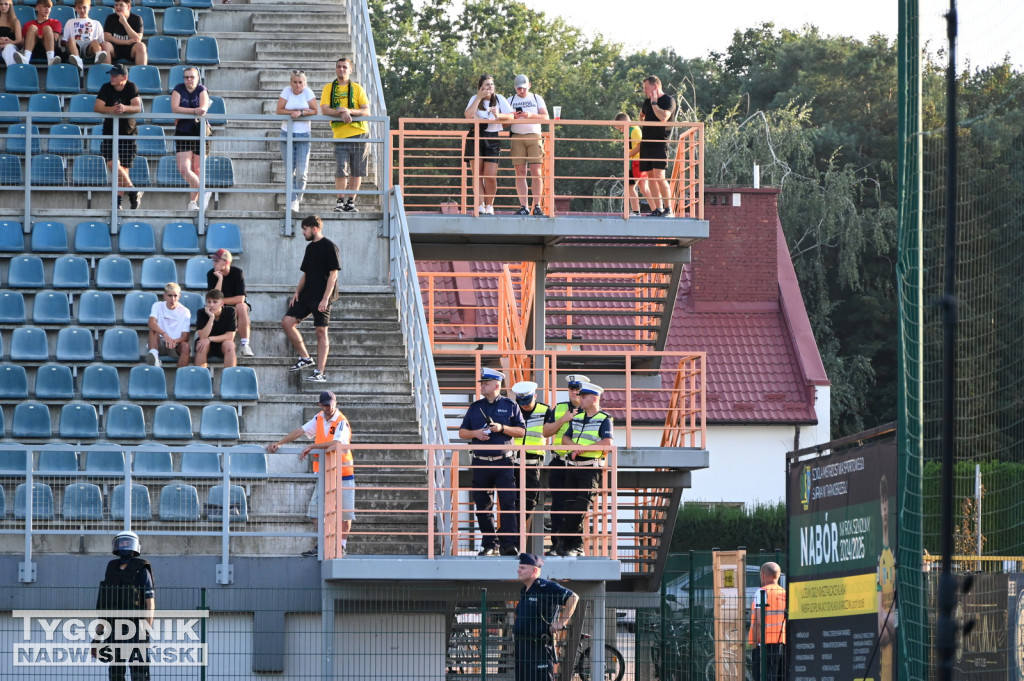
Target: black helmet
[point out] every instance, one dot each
(126, 545)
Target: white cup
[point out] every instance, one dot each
(558, 112)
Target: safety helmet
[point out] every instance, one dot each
(126, 545)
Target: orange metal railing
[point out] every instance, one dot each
(584, 169)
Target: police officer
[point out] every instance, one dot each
(584, 467)
(535, 413)
(127, 585)
(494, 420)
(556, 423)
(544, 608)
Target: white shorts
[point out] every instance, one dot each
(348, 499)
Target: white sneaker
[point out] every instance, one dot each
(54, 60)
(21, 58)
(100, 58)
(295, 206)
(77, 61)
(193, 205)
(246, 350)
(490, 209)
(481, 209)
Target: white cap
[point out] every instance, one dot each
(576, 378)
(591, 389)
(491, 375)
(525, 388)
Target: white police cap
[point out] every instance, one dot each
(491, 375)
(525, 388)
(576, 378)
(591, 389)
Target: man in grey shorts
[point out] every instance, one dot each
(342, 99)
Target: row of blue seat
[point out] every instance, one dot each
(101, 382)
(90, 170)
(74, 344)
(176, 238)
(65, 79)
(156, 4)
(177, 21)
(197, 461)
(112, 272)
(123, 421)
(81, 109)
(68, 139)
(94, 308)
(83, 501)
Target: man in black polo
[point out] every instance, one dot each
(544, 608)
(119, 99)
(494, 420)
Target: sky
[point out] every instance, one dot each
(693, 29)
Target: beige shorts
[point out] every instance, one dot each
(528, 148)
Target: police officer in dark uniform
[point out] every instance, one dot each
(591, 427)
(127, 585)
(494, 420)
(556, 422)
(544, 608)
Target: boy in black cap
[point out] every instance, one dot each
(544, 608)
(119, 99)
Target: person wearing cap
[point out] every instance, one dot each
(494, 420)
(527, 145)
(127, 585)
(119, 99)
(215, 331)
(169, 323)
(555, 425)
(329, 430)
(544, 608)
(590, 427)
(230, 281)
(535, 413)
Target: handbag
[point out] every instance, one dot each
(450, 207)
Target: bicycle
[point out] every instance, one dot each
(614, 663)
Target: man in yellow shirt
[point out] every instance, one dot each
(344, 99)
(886, 585)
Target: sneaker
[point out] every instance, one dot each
(19, 58)
(54, 60)
(312, 553)
(350, 207)
(339, 206)
(77, 61)
(193, 205)
(489, 209)
(100, 58)
(510, 550)
(654, 213)
(246, 350)
(489, 551)
(301, 364)
(317, 377)
(152, 360)
(667, 213)
(481, 209)
(637, 214)
(523, 210)
(295, 206)
(575, 552)
(538, 212)
(134, 199)
(119, 206)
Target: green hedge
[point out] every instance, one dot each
(700, 527)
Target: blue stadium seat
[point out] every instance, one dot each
(12, 307)
(63, 14)
(104, 462)
(125, 422)
(156, 272)
(16, 141)
(157, 3)
(82, 105)
(96, 308)
(238, 511)
(13, 462)
(195, 273)
(99, 74)
(197, 4)
(172, 422)
(180, 238)
(13, 382)
(48, 170)
(22, 78)
(74, 344)
(146, 79)
(193, 302)
(100, 12)
(220, 172)
(167, 174)
(78, 421)
(218, 422)
(239, 384)
(137, 237)
(148, 28)
(31, 420)
(63, 79)
(3, 504)
(10, 103)
(247, 462)
(70, 271)
(43, 103)
(10, 171)
(65, 139)
(42, 501)
(93, 237)
(141, 508)
(120, 345)
(176, 76)
(28, 344)
(57, 461)
(153, 461)
(224, 235)
(89, 170)
(163, 49)
(198, 461)
(100, 382)
(139, 172)
(179, 502)
(82, 501)
(114, 272)
(192, 383)
(54, 382)
(202, 50)
(151, 141)
(161, 105)
(179, 21)
(147, 383)
(217, 106)
(25, 271)
(137, 306)
(49, 237)
(24, 13)
(51, 307)
(12, 237)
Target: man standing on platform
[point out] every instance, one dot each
(544, 609)
(527, 146)
(657, 108)
(556, 423)
(343, 99)
(591, 427)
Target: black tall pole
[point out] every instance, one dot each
(946, 633)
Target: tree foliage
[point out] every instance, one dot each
(702, 527)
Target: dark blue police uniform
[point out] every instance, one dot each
(493, 469)
(535, 612)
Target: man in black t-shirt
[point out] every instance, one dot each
(230, 281)
(215, 331)
(657, 108)
(118, 99)
(123, 30)
(313, 295)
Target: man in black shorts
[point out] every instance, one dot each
(123, 30)
(657, 108)
(230, 281)
(119, 99)
(313, 295)
(215, 331)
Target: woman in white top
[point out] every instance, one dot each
(297, 100)
(486, 105)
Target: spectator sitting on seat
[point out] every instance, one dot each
(123, 30)
(192, 98)
(42, 35)
(168, 327)
(10, 33)
(84, 36)
(116, 99)
(215, 331)
(230, 281)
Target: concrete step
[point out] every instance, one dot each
(318, 23)
(269, 50)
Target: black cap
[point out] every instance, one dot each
(327, 397)
(530, 559)
(118, 70)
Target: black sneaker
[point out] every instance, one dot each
(510, 550)
(667, 213)
(302, 364)
(339, 206)
(523, 210)
(489, 551)
(312, 553)
(538, 212)
(575, 552)
(654, 213)
(317, 377)
(134, 199)
(349, 207)
(119, 206)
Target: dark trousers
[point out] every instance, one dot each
(534, 659)
(774, 655)
(139, 672)
(532, 482)
(582, 483)
(556, 481)
(499, 475)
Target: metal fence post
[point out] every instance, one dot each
(483, 634)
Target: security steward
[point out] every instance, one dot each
(127, 585)
(535, 413)
(494, 420)
(556, 423)
(772, 650)
(584, 467)
(544, 608)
